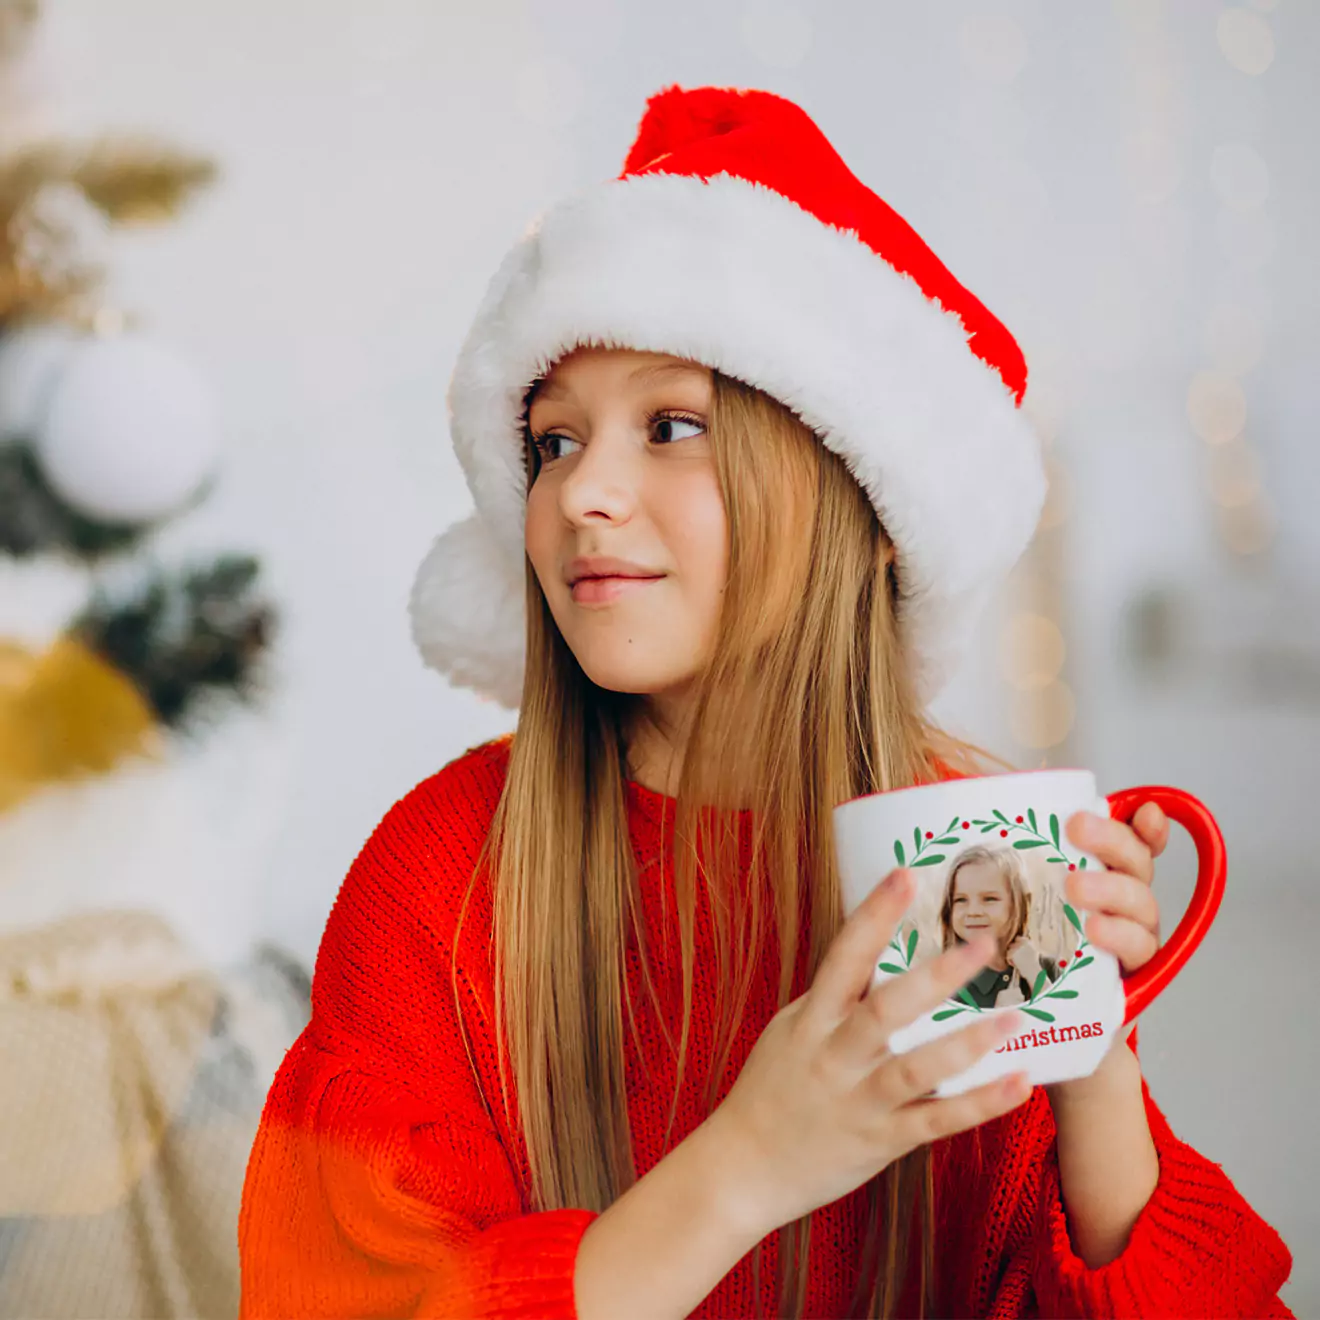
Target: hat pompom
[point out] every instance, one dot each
(467, 617)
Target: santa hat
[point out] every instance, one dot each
(737, 237)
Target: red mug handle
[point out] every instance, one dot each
(1143, 985)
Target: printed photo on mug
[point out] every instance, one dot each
(1012, 894)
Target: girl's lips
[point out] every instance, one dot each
(603, 590)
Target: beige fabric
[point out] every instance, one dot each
(131, 1086)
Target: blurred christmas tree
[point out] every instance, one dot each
(140, 785)
(105, 436)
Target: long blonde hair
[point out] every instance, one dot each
(808, 632)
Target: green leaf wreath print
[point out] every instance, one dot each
(921, 842)
(904, 950)
(925, 846)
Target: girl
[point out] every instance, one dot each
(589, 1036)
(986, 891)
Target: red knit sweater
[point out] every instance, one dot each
(378, 1185)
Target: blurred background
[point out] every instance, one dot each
(244, 243)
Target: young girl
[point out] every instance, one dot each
(589, 1035)
(987, 891)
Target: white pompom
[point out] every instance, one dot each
(31, 360)
(130, 433)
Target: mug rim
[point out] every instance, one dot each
(968, 779)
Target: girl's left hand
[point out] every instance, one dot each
(1123, 915)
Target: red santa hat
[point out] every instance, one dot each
(736, 237)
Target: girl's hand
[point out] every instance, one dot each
(1124, 917)
(1022, 955)
(821, 1105)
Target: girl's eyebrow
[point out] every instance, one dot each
(647, 372)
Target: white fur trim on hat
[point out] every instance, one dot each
(735, 276)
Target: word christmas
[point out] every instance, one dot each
(1051, 1036)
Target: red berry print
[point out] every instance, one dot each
(929, 835)
(1063, 962)
(1019, 820)
(1072, 866)
(1003, 834)
(967, 824)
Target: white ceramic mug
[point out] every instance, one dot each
(989, 853)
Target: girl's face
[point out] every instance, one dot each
(627, 472)
(981, 902)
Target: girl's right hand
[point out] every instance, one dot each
(821, 1105)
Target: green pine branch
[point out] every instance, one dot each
(186, 639)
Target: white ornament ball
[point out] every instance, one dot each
(131, 431)
(31, 360)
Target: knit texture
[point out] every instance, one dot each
(380, 1184)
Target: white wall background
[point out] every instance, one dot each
(379, 158)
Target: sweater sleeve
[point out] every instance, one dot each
(1196, 1250)
(378, 1183)
(362, 1200)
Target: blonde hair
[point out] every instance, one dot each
(808, 630)
(1009, 865)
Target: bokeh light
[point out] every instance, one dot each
(1233, 475)
(1216, 407)
(1245, 40)
(1247, 529)
(1031, 651)
(1043, 718)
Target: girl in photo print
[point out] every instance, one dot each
(987, 891)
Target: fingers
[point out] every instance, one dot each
(892, 1004)
(1114, 894)
(1152, 826)
(902, 1078)
(1114, 844)
(1133, 945)
(924, 1121)
(1125, 915)
(849, 963)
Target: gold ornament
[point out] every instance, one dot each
(66, 713)
(130, 181)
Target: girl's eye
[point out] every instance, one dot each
(662, 425)
(671, 420)
(543, 443)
